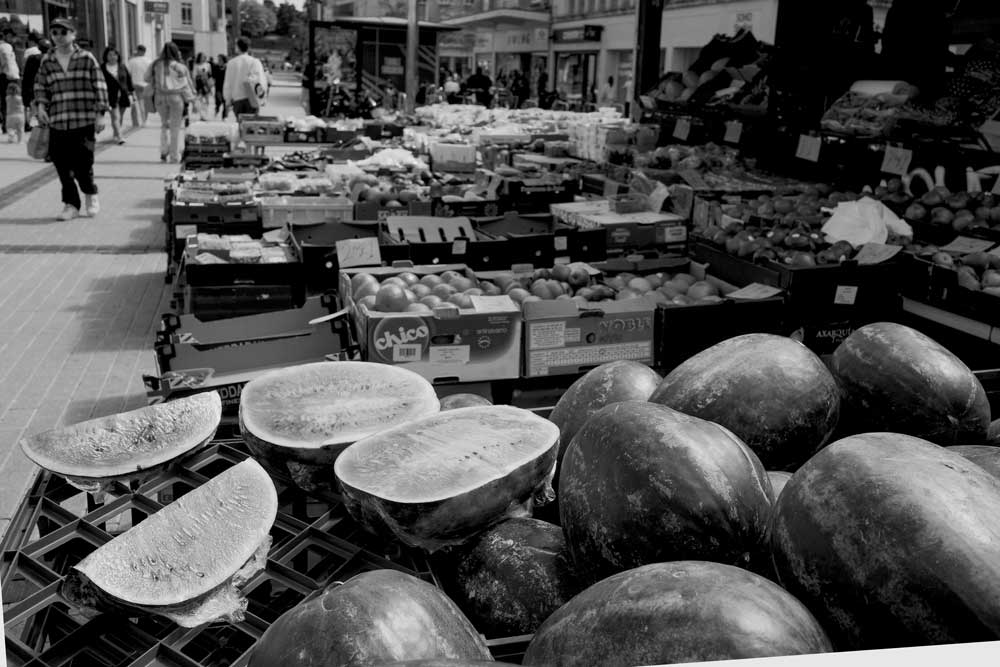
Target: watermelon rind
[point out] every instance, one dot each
(119, 446)
(438, 481)
(189, 549)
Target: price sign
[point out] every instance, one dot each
(458, 247)
(755, 291)
(845, 295)
(682, 129)
(963, 245)
(897, 160)
(358, 252)
(809, 147)
(734, 131)
(874, 253)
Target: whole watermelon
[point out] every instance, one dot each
(642, 483)
(687, 611)
(377, 616)
(894, 378)
(612, 382)
(892, 541)
(986, 457)
(513, 576)
(778, 481)
(772, 392)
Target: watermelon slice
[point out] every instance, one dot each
(298, 420)
(440, 480)
(187, 561)
(133, 445)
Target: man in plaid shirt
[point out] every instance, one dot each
(71, 98)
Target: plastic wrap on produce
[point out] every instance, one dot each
(864, 221)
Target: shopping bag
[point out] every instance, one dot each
(38, 142)
(135, 115)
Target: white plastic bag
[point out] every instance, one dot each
(864, 221)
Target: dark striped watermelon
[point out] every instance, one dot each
(894, 378)
(687, 611)
(892, 541)
(513, 577)
(771, 391)
(642, 483)
(377, 616)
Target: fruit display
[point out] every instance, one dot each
(977, 271)
(188, 561)
(677, 612)
(847, 526)
(883, 388)
(126, 447)
(783, 411)
(513, 576)
(298, 420)
(940, 213)
(438, 481)
(382, 616)
(693, 491)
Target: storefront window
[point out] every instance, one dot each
(576, 76)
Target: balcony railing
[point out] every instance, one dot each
(526, 5)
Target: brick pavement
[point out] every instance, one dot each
(80, 300)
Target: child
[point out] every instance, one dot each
(15, 113)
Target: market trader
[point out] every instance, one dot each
(71, 98)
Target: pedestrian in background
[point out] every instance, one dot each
(9, 71)
(120, 90)
(219, 81)
(31, 64)
(32, 49)
(245, 83)
(15, 113)
(138, 66)
(174, 89)
(71, 99)
(202, 74)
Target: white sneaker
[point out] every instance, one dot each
(68, 213)
(93, 205)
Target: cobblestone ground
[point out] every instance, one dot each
(80, 300)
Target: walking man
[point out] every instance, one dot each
(137, 66)
(9, 70)
(245, 83)
(71, 97)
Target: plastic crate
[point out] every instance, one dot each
(315, 543)
(276, 212)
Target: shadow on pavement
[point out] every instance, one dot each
(120, 312)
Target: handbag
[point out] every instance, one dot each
(180, 83)
(38, 142)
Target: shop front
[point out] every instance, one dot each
(577, 52)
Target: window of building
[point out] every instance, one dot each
(187, 13)
(130, 29)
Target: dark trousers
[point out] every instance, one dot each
(3, 101)
(72, 153)
(243, 107)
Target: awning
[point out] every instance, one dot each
(382, 22)
(495, 16)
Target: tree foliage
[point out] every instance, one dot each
(256, 20)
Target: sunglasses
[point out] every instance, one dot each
(59, 31)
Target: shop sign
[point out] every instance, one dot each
(457, 41)
(742, 20)
(157, 7)
(587, 33)
(523, 40)
(484, 42)
(392, 67)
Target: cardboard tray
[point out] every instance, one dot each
(317, 246)
(938, 286)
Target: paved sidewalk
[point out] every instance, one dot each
(80, 300)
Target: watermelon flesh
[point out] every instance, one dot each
(896, 379)
(187, 561)
(129, 446)
(642, 483)
(383, 616)
(438, 481)
(892, 541)
(684, 611)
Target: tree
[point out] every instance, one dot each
(288, 16)
(395, 8)
(256, 20)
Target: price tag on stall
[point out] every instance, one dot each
(897, 160)
(682, 129)
(963, 245)
(875, 253)
(358, 252)
(808, 147)
(755, 291)
(734, 131)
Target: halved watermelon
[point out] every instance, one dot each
(440, 480)
(187, 561)
(683, 611)
(463, 401)
(299, 419)
(93, 454)
(382, 616)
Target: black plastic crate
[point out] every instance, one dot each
(315, 543)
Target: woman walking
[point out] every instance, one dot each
(219, 79)
(120, 89)
(174, 89)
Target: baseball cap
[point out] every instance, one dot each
(62, 23)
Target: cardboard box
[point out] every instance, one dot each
(562, 338)
(452, 345)
(453, 158)
(626, 230)
(189, 328)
